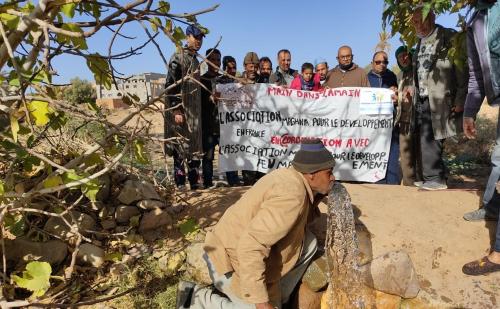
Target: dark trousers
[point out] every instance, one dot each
(180, 171)
(431, 150)
(209, 143)
(393, 172)
(251, 177)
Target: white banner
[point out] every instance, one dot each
(262, 126)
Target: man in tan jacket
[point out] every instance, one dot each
(260, 248)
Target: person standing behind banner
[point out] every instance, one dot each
(381, 77)
(306, 80)
(411, 168)
(346, 73)
(185, 118)
(483, 47)
(209, 117)
(283, 75)
(251, 64)
(230, 67)
(265, 70)
(321, 72)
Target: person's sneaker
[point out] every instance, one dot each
(479, 215)
(418, 184)
(184, 294)
(433, 186)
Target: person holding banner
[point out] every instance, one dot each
(321, 71)
(260, 248)
(284, 74)
(381, 77)
(307, 80)
(265, 70)
(346, 73)
(251, 63)
(440, 91)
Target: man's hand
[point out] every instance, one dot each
(457, 109)
(178, 119)
(469, 127)
(264, 306)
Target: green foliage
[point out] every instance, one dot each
(189, 228)
(80, 91)
(36, 278)
(398, 14)
(100, 68)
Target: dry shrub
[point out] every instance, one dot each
(477, 150)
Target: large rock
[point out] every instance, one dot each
(135, 190)
(123, 213)
(154, 219)
(21, 249)
(392, 273)
(306, 298)
(150, 204)
(90, 255)
(57, 227)
(196, 267)
(315, 276)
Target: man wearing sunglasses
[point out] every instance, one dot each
(381, 77)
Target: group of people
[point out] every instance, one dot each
(261, 246)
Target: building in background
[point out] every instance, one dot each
(145, 86)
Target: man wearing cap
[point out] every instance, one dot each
(440, 91)
(183, 120)
(284, 75)
(321, 71)
(260, 248)
(251, 65)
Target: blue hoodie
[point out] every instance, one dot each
(386, 80)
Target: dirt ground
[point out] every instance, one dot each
(427, 225)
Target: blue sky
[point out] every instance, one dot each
(309, 29)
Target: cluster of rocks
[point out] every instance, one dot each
(133, 208)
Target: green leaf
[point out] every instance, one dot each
(426, 9)
(178, 35)
(188, 227)
(78, 42)
(100, 68)
(155, 23)
(70, 176)
(15, 224)
(14, 82)
(92, 159)
(69, 9)
(35, 278)
(40, 111)
(90, 189)
(10, 21)
(164, 7)
(113, 257)
(139, 152)
(14, 127)
(52, 181)
(2, 188)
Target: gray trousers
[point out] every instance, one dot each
(224, 298)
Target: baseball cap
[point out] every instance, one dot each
(251, 57)
(194, 31)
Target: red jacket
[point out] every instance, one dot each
(298, 82)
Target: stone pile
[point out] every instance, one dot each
(126, 206)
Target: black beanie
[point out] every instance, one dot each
(312, 157)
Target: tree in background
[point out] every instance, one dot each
(80, 91)
(397, 15)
